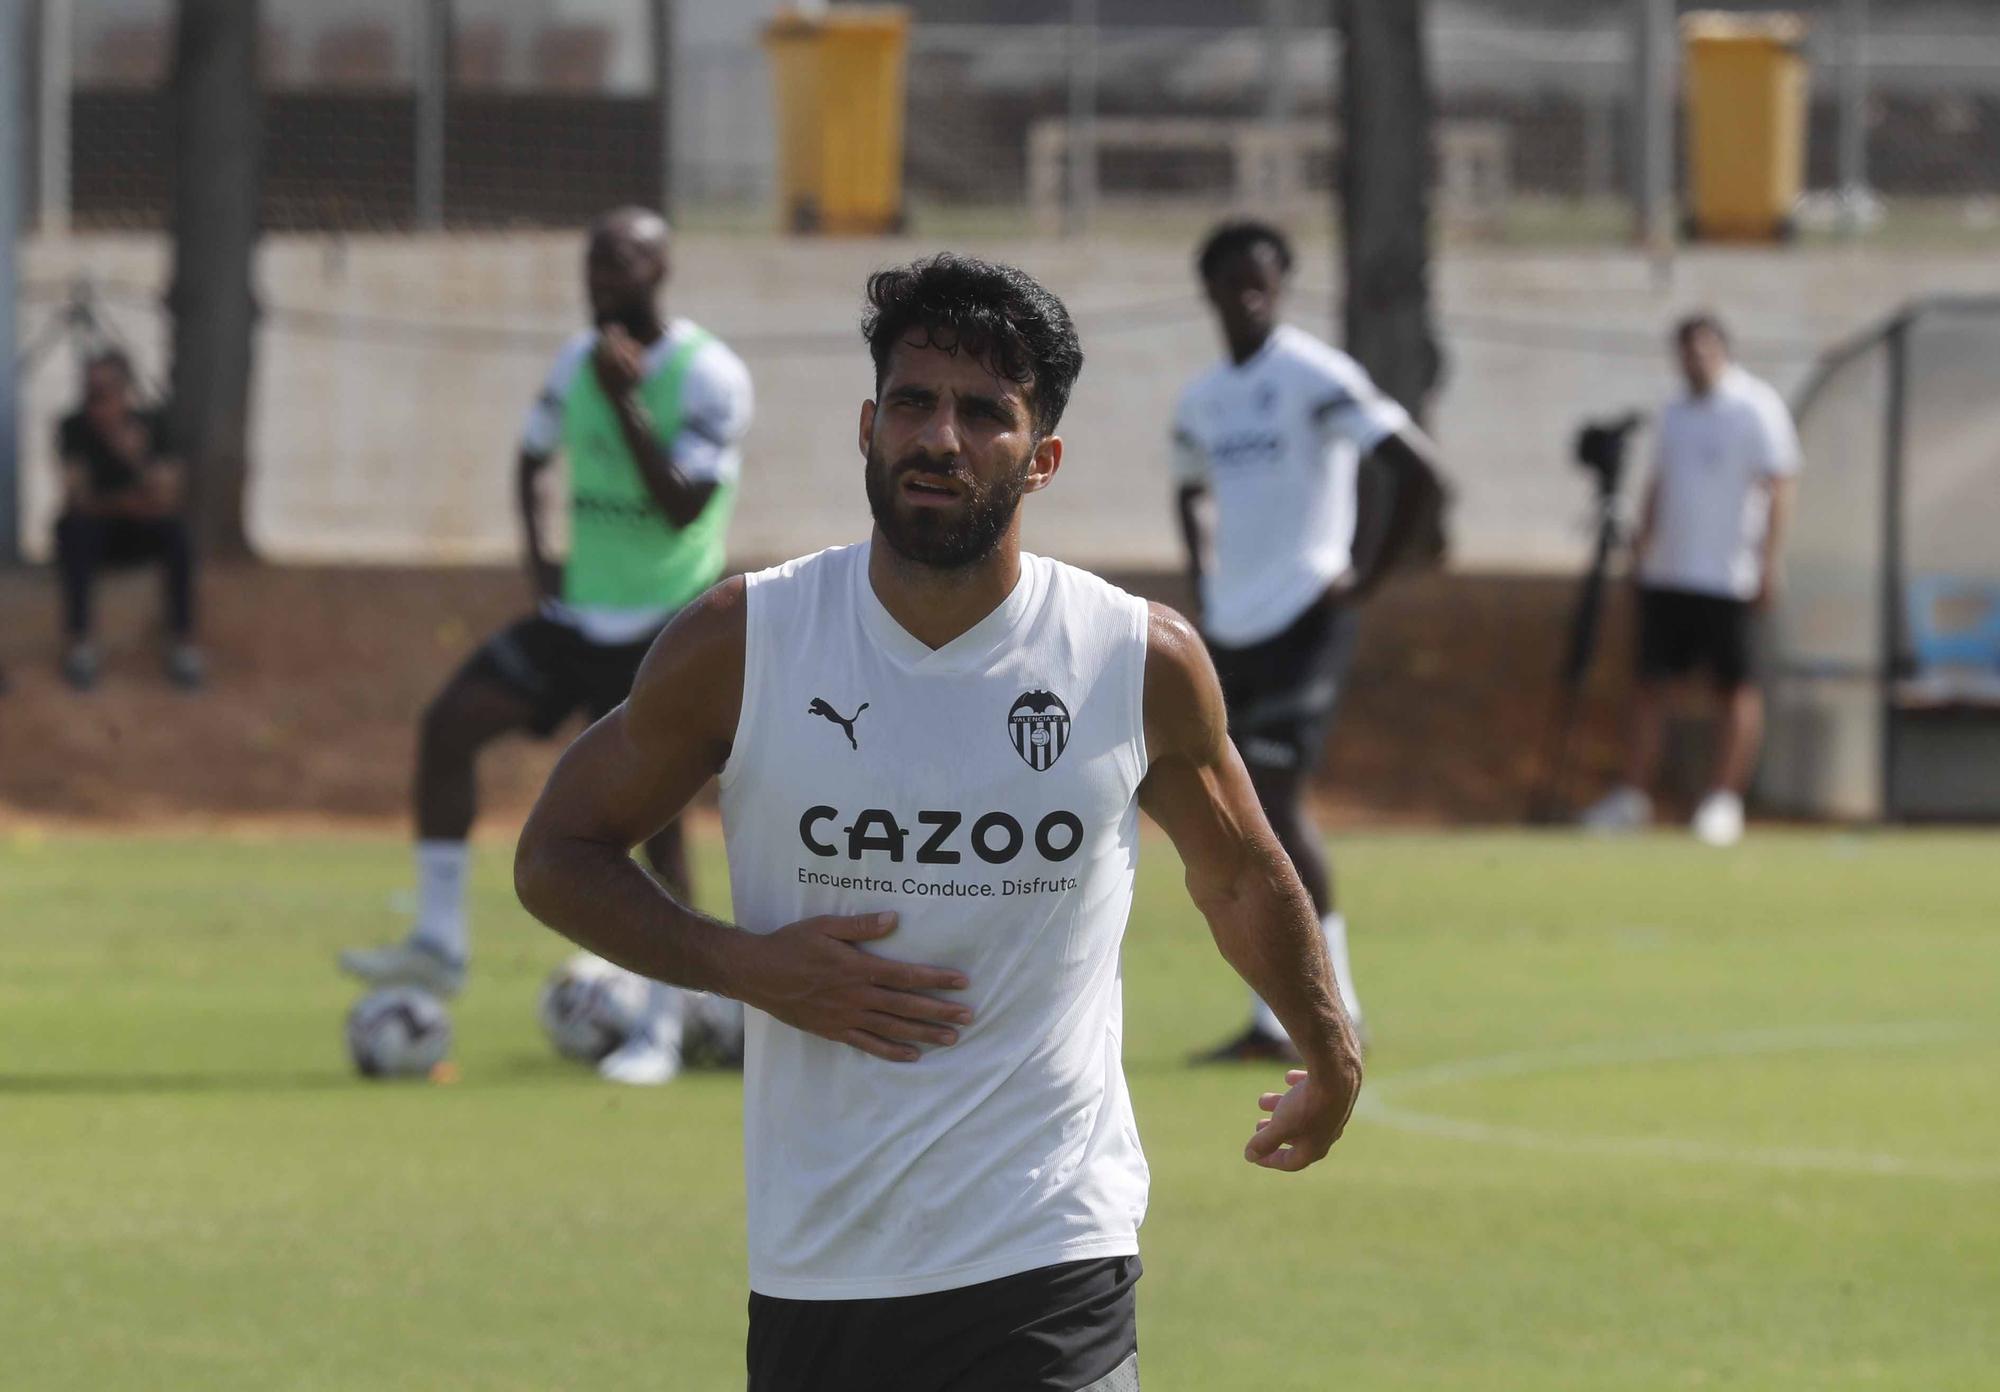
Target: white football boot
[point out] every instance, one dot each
(1624, 808)
(1719, 819)
(644, 1060)
(411, 962)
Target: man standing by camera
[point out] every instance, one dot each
(1706, 562)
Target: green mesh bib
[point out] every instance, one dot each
(623, 552)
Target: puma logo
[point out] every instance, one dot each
(846, 723)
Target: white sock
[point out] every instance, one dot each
(441, 898)
(1265, 1020)
(1334, 929)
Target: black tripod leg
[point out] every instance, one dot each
(1548, 804)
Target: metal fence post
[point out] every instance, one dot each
(1277, 38)
(1082, 143)
(1599, 120)
(1652, 45)
(13, 155)
(663, 95)
(1896, 423)
(433, 80)
(1853, 114)
(52, 114)
(1278, 177)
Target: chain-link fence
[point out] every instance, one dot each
(1071, 125)
(378, 114)
(1059, 115)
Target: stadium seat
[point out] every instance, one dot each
(1953, 629)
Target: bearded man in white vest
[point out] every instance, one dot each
(933, 749)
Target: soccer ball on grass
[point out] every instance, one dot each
(589, 1007)
(398, 1032)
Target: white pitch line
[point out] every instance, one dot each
(1378, 1107)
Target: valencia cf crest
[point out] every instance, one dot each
(1039, 727)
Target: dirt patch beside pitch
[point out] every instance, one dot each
(320, 674)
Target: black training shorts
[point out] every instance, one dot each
(1682, 631)
(1281, 693)
(556, 669)
(1067, 1328)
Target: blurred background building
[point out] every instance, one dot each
(546, 103)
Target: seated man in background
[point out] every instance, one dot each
(122, 492)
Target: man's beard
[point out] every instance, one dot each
(637, 317)
(931, 537)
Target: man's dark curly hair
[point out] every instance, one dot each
(1001, 315)
(1231, 237)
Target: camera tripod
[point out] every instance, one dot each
(1601, 449)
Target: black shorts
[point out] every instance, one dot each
(556, 669)
(1067, 1328)
(1681, 631)
(1281, 693)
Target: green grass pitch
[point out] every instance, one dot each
(1639, 1116)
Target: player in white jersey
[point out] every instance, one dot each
(649, 412)
(933, 749)
(1275, 435)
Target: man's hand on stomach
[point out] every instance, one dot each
(814, 976)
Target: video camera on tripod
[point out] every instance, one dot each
(1600, 448)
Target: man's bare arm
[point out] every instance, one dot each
(1416, 496)
(634, 771)
(543, 571)
(166, 486)
(78, 496)
(619, 366)
(1782, 490)
(1649, 512)
(1199, 792)
(680, 498)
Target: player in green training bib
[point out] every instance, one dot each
(648, 414)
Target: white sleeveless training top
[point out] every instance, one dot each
(987, 792)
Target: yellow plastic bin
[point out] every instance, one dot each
(1746, 123)
(838, 77)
